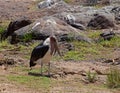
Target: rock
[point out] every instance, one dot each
(115, 61)
(116, 11)
(70, 19)
(91, 2)
(107, 35)
(46, 3)
(66, 46)
(15, 25)
(77, 20)
(100, 22)
(78, 26)
(104, 2)
(48, 26)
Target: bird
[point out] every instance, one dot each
(44, 52)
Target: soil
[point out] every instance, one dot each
(67, 74)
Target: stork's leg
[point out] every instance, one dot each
(49, 68)
(41, 68)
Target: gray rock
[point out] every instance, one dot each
(45, 3)
(107, 35)
(48, 26)
(116, 11)
(100, 22)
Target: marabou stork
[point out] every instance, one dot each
(44, 52)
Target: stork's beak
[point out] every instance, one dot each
(54, 47)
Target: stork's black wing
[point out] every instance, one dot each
(38, 52)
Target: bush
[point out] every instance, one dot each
(113, 78)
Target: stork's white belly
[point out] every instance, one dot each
(47, 57)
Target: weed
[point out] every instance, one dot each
(68, 1)
(91, 77)
(27, 37)
(113, 78)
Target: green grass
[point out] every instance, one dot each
(68, 1)
(113, 78)
(91, 77)
(5, 45)
(27, 37)
(86, 51)
(2, 29)
(34, 82)
(113, 43)
(93, 34)
(20, 76)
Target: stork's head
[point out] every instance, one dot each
(54, 45)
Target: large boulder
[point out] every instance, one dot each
(100, 22)
(15, 25)
(46, 26)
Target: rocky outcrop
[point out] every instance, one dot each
(47, 26)
(116, 11)
(15, 25)
(100, 22)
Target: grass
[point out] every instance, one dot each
(68, 1)
(20, 76)
(2, 29)
(91, 77)
(97, 50)
(84, 51)
(5, 45)
(27, 37)
(113, 43)
(31, 81)
(113, 78)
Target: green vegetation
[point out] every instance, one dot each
(99, 49)
(31, 81)
(93, 34)
(5, 45)
(113, 43)
(84, 51)
(2, 29)
(113, 78)
(91, 77)
(68, 1)
(27, 37)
